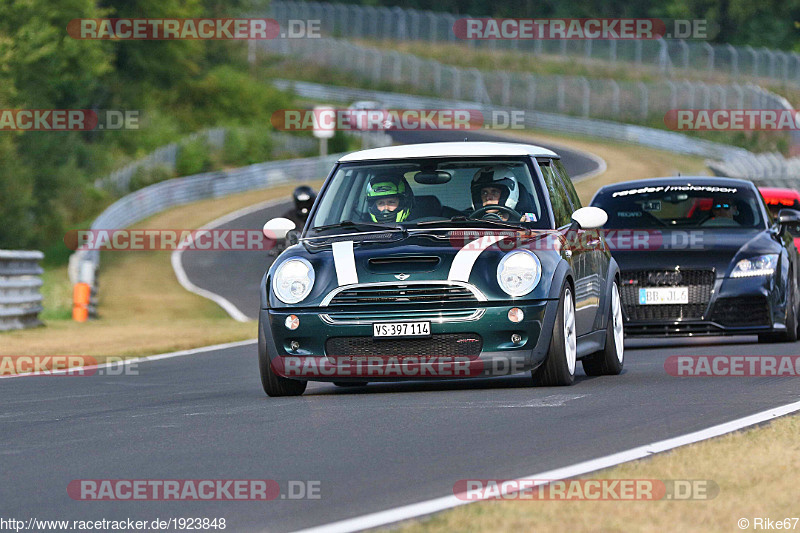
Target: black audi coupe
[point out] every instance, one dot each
(702, 256)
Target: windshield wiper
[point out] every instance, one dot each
(462, 218)
(365, 225)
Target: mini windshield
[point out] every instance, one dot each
(431, 193)
(681, 206)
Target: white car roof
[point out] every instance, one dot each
(448, 149)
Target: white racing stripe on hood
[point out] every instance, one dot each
(344, 261)
(466, 257)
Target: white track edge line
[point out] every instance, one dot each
(415, 510)
(177, 264)
(143, 359)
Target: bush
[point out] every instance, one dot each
(247, 146)
(194, 157)
(145, 176)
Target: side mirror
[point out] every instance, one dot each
(277, 228)
(788, 216)
(787, 219)
(589, 218)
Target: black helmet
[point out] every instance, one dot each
(304, 197)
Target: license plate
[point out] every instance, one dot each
(664, 295)
(401, 329)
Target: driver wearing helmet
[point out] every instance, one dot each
(495, 186)
(389, 199)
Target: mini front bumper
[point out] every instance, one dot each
(388, 359)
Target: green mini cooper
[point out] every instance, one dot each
(441, 261)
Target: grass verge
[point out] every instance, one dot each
(764, 485)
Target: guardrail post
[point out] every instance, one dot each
(531, 91)
(20, 282)
(587, 93)
(645, 100)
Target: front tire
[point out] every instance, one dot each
(609, 361)
(273, 384)
(559, 367)
(792, 325)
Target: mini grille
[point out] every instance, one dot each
(400, 294)
(441, 345)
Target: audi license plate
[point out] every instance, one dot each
(664, 296)
(401, 329)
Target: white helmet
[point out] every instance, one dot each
(501, 177)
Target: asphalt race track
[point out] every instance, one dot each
(371, 448)
(205, 416)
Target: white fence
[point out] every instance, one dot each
(573, 95)
(20, 282)
(666, 56)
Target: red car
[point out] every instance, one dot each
(778, 199)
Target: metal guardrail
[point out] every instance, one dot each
(574, 95)
(665, 56)
(769, 170)
(158, 197)
(20, 298)
(643, 136)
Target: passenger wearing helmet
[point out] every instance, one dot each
(495, 186)
(389, 199)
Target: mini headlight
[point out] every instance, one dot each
(763, 265)
(519, 272)
(293, 280)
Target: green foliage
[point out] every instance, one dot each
(194, 157)
(179, 87)
(338, 143)
(150, 175)
(247, 146)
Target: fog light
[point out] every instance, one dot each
(294, 345)
(516, 338)
(515, 314)
(292, 322)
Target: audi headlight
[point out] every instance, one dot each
(293, 280)
(519, 272)
(763, 265)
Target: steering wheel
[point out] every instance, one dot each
(483, 212)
